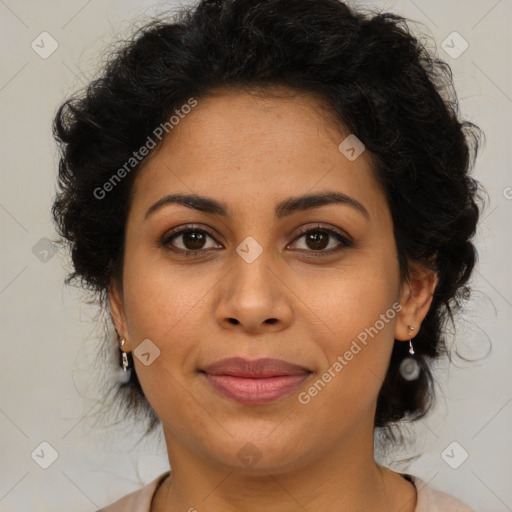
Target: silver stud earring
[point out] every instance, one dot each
(124, 356)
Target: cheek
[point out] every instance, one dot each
(356, 358)
(354, 299)
(160, 300)
(360, 311)
(162, 306)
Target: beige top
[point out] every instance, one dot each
(429, 500)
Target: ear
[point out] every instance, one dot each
(416, 296)
(116, 300)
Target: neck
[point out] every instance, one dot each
(345, 478)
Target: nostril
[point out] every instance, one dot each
(233, 321)
(271, 321)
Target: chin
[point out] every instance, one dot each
(259, 455)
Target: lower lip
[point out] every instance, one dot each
(256, 391)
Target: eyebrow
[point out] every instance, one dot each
(282, 209)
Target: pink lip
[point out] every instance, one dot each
(257, 368)
(255, 382)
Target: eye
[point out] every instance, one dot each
(193, 240)
(318, 238)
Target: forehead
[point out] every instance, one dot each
(274, 116)
(244, 146)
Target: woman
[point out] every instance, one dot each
(272, 200)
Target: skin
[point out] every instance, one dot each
(252, 152)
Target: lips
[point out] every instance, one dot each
(254, 382)
(258, 368)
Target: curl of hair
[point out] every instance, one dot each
(378, 80)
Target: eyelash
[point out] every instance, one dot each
(165, 242)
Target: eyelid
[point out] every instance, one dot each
(344, 239)
(322, 227)
(180, 230)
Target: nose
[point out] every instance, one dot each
(254, 298)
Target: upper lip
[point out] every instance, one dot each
(256, 368)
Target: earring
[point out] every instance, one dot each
(125, 363)
(409, 367)
(411, 350)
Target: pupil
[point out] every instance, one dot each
(193, 237)
(316, 238)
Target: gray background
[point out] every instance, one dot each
(49, 336)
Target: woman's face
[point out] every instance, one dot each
(257, 287)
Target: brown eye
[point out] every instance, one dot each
(317, 239)
(193, 240)
(188, 240)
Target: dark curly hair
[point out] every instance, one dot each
(378, 80)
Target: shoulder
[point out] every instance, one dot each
(432, 500)
(137, 501)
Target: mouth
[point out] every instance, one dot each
(259, 381)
